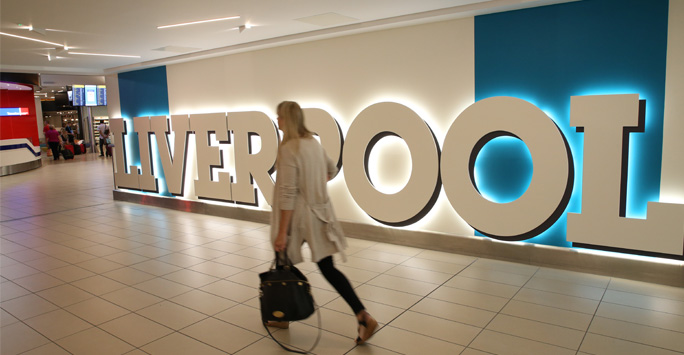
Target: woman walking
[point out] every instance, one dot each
(302, 211)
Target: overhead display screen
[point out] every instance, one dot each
(91, 95)
(101, 95)
(78, 95)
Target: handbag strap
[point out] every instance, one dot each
(318, 337)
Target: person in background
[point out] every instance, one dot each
(45, 129)
(54, 141)
(302, 211)
(70, 133)
(103, 129)
(64, 135)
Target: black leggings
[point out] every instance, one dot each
(340, 283)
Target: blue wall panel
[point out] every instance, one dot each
(143, 93)
(547, 54)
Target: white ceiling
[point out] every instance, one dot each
(129, 27)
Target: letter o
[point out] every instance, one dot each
(552, 179)
(420, 192)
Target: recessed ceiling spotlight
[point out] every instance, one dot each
(106, 55)
(198, 22)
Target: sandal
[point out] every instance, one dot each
(275, 324)
(366, 329)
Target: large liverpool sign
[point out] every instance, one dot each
(248, 141)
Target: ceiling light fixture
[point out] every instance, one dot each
(32, 39)
(197, 22)
(106, 55)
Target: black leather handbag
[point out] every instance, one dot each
(284, 292)
(285, 296)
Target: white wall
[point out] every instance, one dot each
(672, 179)
(429, 68)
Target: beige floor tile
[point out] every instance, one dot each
(70, 273)
(6, 318)
(179, 344)
(18, 337)
(172, 315)
(163, 288)
(135, 329)
(641, 316)
(368, 349)
(26, 255)
(265, 346)
(47, 349)
(128, 275)
(455, 312)
(46, 264)
(100, 250)
(224, 246)
(469, 298)
(203, 302)
(256, 253)
(98, 285)
(181, 260)
(302, 336)
(38, 282)
(537, 331)
(99, 265)
(545, 314)
(131, 298)
(381, 312)
(203, 253)
(215, 269)
(231, 290)
(575, 304)
(247, 278)
(126, 258)
(156, 267)
(493, 275)
(405, 285)
(381, 256)
(406, 342)
(599, 344)
(244, 317)
(505, 266)
(482, 286)
(191, 278)
(412, 273)
(562, 287)
(385, 296)
(65, 295)
(353, 274)
(239, 261)
(17, 271)
(28, 306)
(647, 302)
(343, 324)
(574, 277)
(435, 327)
(10, 290)
(97, 311)
(57, 324)
(222, 335)
(470, 351)
(647, 289)
(498, 343)
(367, 264)
(642, 334)
(151, 251)
(94, 341)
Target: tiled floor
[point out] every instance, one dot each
(83, 274)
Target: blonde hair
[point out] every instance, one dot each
(293, 122)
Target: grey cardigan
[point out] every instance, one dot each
(303, 170)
